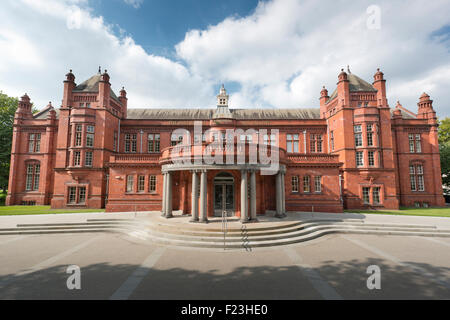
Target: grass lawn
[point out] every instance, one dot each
(431, 212)
(21, 210)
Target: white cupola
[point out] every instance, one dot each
(222, 97)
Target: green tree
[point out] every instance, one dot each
(444, 148)
(8, 106)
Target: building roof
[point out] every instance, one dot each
(355, 84)
(238, 114)
(207, 114)
(91, 85)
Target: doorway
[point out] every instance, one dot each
(223, 194)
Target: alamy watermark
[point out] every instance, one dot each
(374, 280)
(229, 146)
(74, 280)
(373, 21)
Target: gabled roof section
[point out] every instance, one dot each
(91, 85)
(355, 84)
(358, 84)
(44, 113)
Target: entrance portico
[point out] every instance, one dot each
(218, 188)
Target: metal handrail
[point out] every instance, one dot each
(224, 227)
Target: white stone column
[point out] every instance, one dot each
(203, 196)
(283, 198)
(163, 211)
(253, 195)
(244, 196)
(279, 196)
(194, 200)
(169, 195)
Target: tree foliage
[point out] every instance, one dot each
(8, 106)
(444, 148)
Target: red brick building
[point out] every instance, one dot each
(354, 151)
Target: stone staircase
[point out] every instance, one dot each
(238, 236)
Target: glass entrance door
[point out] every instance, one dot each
(223, 198)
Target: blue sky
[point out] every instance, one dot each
(158, 25)
(269, 54)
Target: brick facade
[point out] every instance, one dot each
(353, 152)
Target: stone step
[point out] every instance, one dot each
(214, 237)
(310, 236)
(279, 230)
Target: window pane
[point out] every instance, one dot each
(29, 182)
(82, 195)
(37, 170)
(72, 194)
(366, 198)
(318, 184)
(376, 195)
(294, 184)
(141, 183)
(152, 184)
(129, 183)
(88, 158)
(306, 185)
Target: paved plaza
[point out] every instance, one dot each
(118, 266)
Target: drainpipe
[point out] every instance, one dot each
(118, 138)
(304, 141)
(142, 133)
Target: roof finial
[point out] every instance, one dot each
(348, 69)
(99, 70)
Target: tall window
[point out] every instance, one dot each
(153, 142)
(34, 142)
(306, 184)
(90, 136)
(332, 140)
(32, 178)
(416, 177)
(294, 183)
(77, 158)
(318, 184)
(72, 195)
(152, 184)
(358, 135)
(369, 135)
(130, 183)
(359, 158)
(292, 142)
(414, 143)
(366, 195)
(88, 158)
(130, 142)
(78, 131)
(315, 143)
(376, 195)
(141, 183)
(371, 158)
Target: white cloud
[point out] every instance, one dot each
(41, 46)
(280, 55)
(135, 3)
(284, 52)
